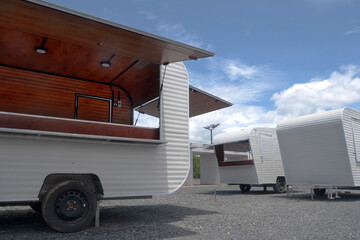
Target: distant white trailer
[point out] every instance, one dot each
(250, 157)
(321, 150)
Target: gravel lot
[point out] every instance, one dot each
(195, 213)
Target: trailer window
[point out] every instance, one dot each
(232, 158)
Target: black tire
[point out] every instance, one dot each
(69, 207)
(36, 206)
(280, 185)
(245, 187)
(320, 192)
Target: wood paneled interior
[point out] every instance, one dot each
(8, 120)
(219, 153)
(41, 94)
(93, 34)
(139, 79)
(147, 89)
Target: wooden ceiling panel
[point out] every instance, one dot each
(200, 102)
(61, 58)
(141, 82)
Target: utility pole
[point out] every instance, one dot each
(211, 127)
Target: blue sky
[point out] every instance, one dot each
(274, 59)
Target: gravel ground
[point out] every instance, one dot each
(196, 213)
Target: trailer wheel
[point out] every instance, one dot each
(280, 185)
(69, 207)
(320, 192)
(36, 206)
(245, 187)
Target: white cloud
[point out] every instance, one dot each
(179, 33)
(236, 82)
(235, 71)
(340, 89)
(229, 118)
(145, 120)
(148, 15)
(352, 31)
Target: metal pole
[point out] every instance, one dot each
(211, 127)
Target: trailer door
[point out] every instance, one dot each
(267, 158)
(93, 108)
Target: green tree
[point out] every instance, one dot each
(196, 166)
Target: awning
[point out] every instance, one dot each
(58, 23)
(200, 102)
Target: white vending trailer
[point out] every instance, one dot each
(250, 157)
(321, 150)
(69, 85)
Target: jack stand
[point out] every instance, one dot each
(336, 193)
(289, 191)
(330, 195)
(97, 214)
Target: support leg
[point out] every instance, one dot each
(289, 191)
(336, 193)
(97, 214)
(330, 195)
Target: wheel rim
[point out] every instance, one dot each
(245, 188)
(281, 186)
(71, 206)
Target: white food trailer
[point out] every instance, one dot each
(250, 157)
(321, 150)
(69, 85)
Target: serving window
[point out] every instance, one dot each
(233, 154)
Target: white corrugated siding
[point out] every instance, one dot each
(238, 175)
(209, 173)
(351, 123)
(124, 169)
(314, 151)
(175, 123)
(264, 144)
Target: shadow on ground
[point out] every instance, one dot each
(116, 222)
(238, 192)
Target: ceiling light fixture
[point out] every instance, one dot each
(41, 49)
(107, 63)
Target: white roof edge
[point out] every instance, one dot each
(236, 136)
(117, 25)
(309, 118)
